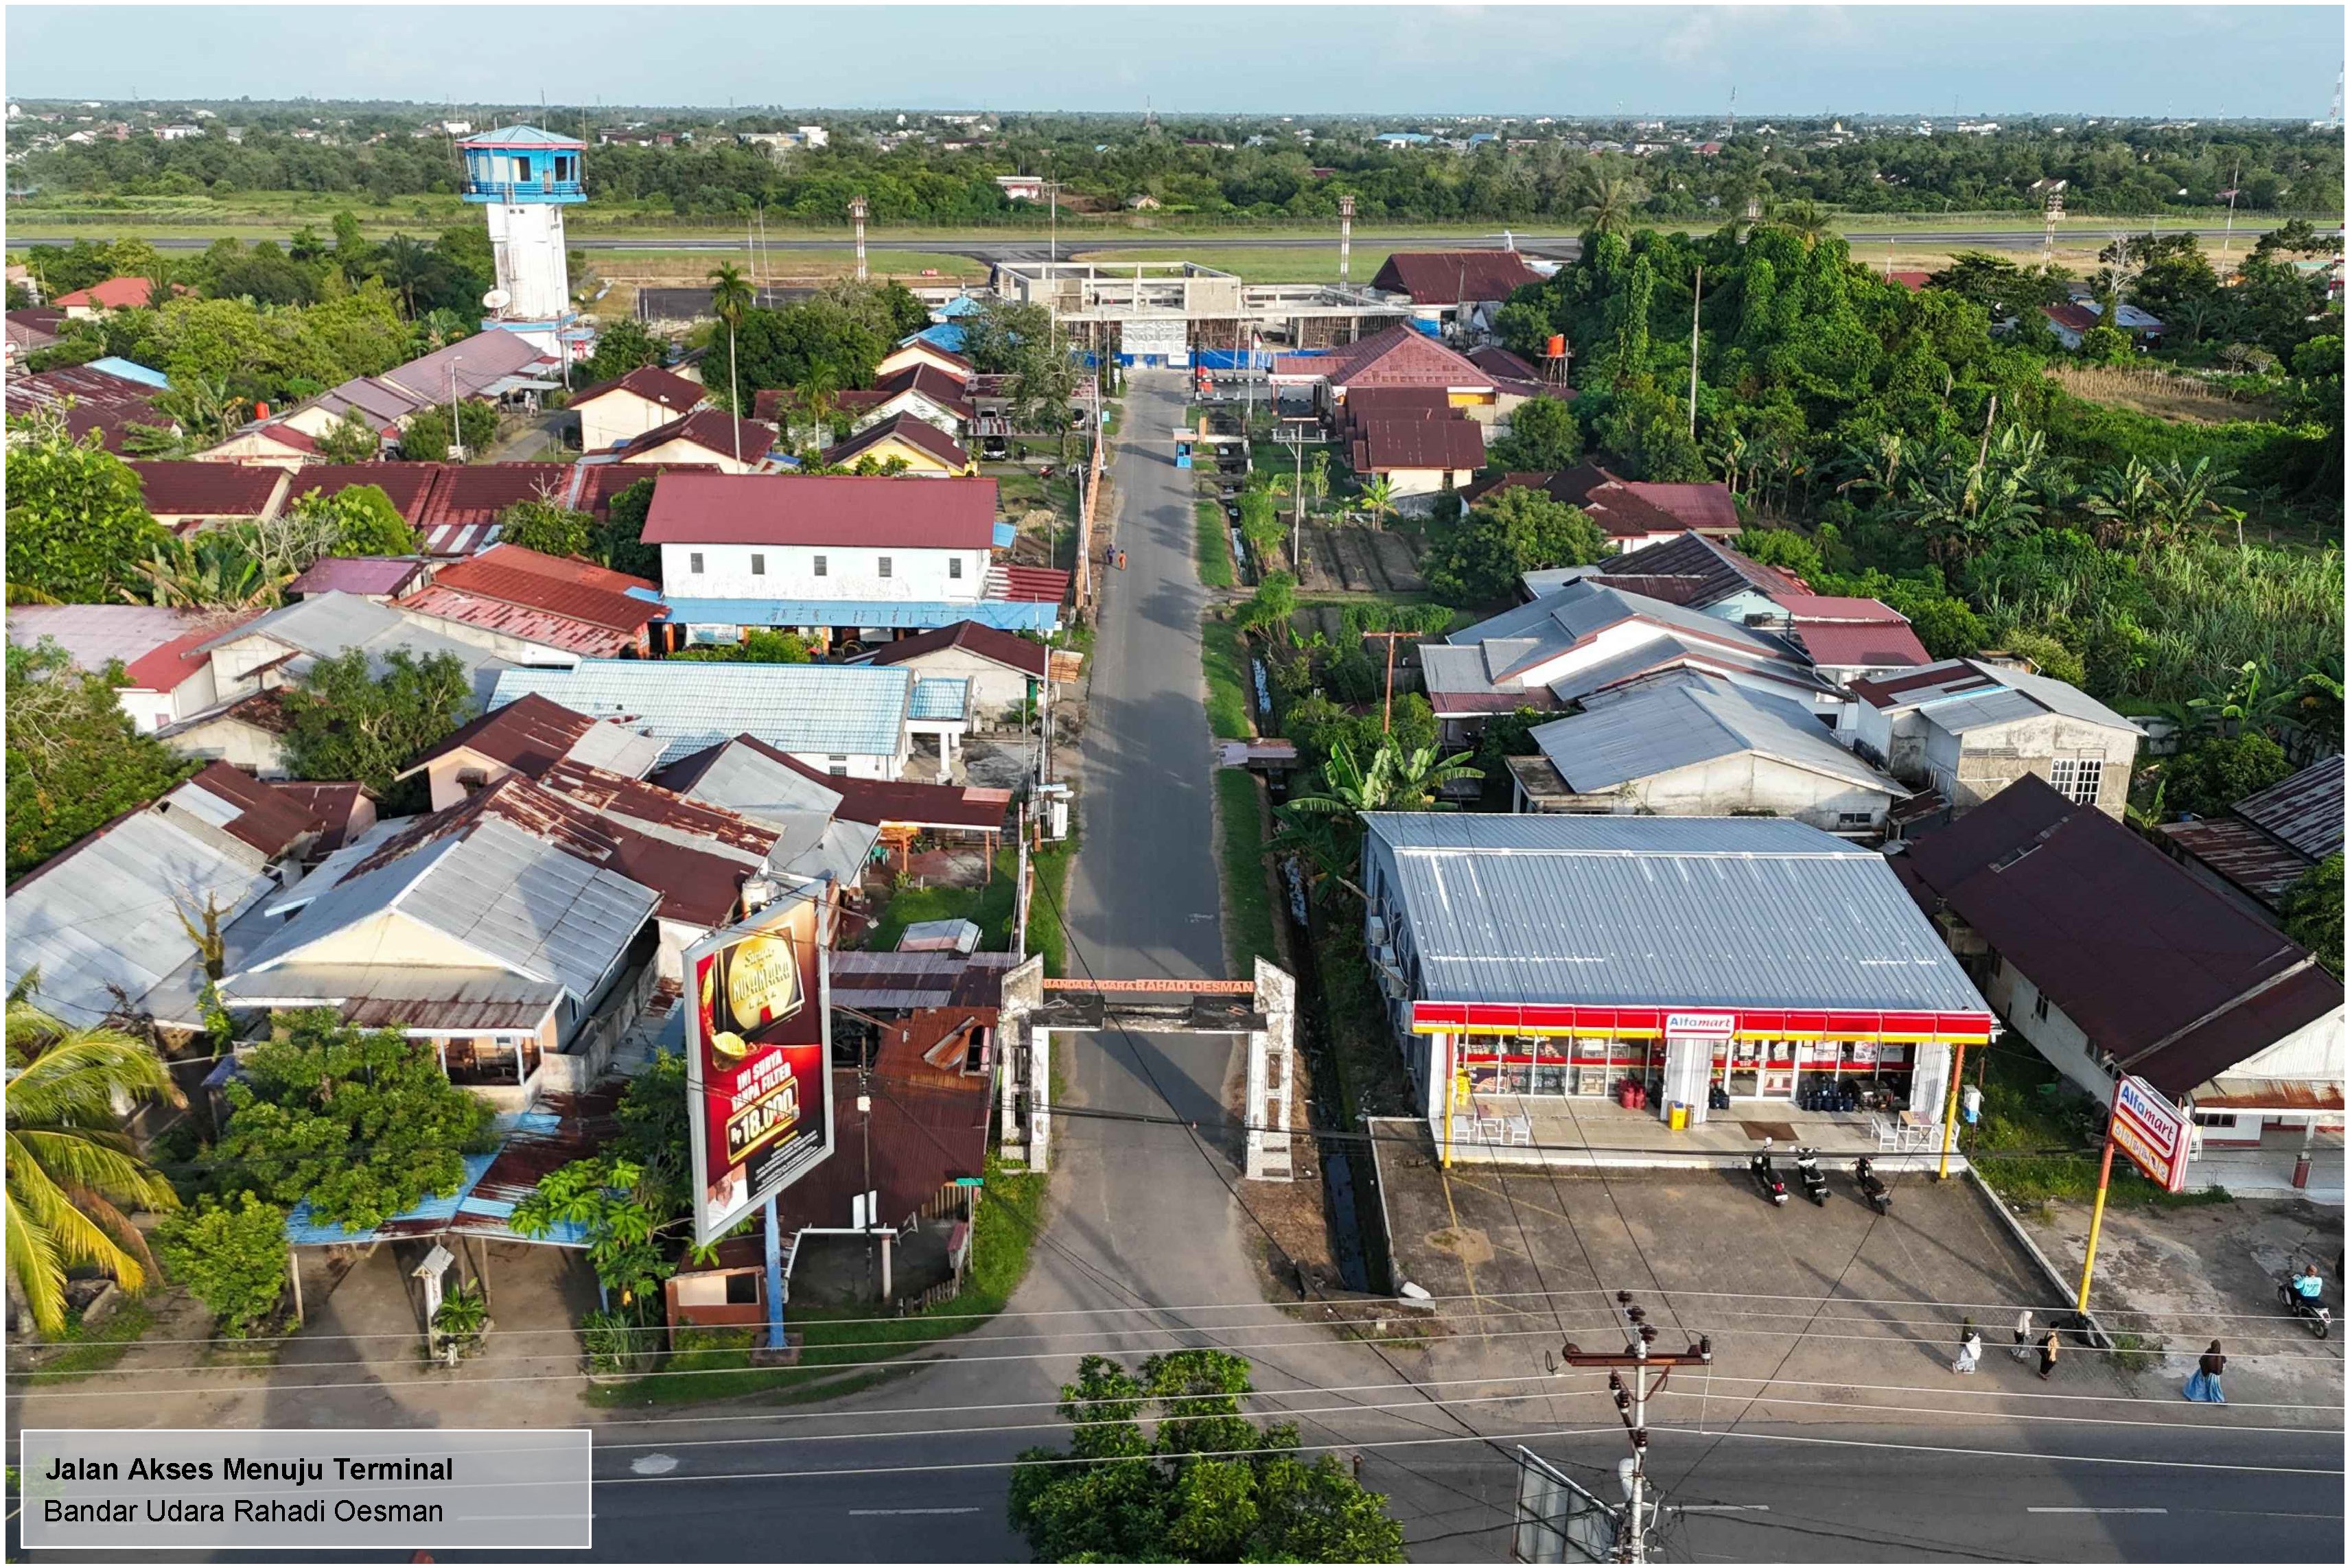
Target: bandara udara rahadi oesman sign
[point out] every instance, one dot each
(757, 1053)
(2152, 1132)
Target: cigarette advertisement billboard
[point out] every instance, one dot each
(758, 1059)
(2151, 1131)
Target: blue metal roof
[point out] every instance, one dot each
(939, 698)
(832, 709)
(132, 370)
(1004, 536)
(912, 614)
(961, 305)
(946, 335)
(521, 136)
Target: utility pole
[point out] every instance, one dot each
(1021, 890)
(858, 218)
(2229, 220)
(2051, 211)
(1347, 222)
(1633, 1409)
(1387, 694)
(1698, 273)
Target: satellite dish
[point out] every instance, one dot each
(497, 299)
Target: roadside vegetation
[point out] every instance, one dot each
(1242, 868)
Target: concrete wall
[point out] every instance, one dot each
(235, 742)
(679, 450)
(911, 402)
(1750, 783)
(1416, 489)
(996, 692)
(850, 572)
(1973, 767)
(618, 416)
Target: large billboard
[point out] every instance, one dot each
(2151, 1131)
(759, 1050)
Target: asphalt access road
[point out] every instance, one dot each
(1032, 248)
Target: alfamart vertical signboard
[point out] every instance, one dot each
(758, 1059)
(2152, 1132)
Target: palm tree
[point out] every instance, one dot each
(1808, 220)
(1609, 205)
(402, 264)
(72, 1171)
(1878, 465)
(730, 297)
(204, 407)
(817, 391)
(218, 570)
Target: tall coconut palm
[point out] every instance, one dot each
(1808, 220)
(1609, 205)
(73, 1172)
(730, 300)
(818, 389)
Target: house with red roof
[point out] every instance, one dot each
(706, 438)
(839, 556)
(1455, 288)
(919, 350)
(1422, 458)
(627, 406)
(1007, 673)
(114, 294)
(536, 609)
(185, 496)
(922, 390)
(1398, 356)
(906, 444)
(1634, 513)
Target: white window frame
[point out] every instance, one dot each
(2078, 778)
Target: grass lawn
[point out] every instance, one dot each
(1225, 662)
(990, 907)
(83, 1351)
(1241, 860)
(2019, 1117)
(841, 1340)
(1216, 546)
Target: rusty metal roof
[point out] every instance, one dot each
(2305, 812)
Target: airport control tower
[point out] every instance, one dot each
(525, 177)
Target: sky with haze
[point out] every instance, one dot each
(2183, 62)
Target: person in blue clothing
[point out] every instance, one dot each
(2204, 1386)
(2308, 1283)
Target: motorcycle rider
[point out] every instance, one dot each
(2308, 1285)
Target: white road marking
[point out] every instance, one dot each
(893, 1513)
(654, 1464)
(2094, 1511)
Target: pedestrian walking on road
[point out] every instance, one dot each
(2023, 1349)
(2050, 1352)
(1972, 1348)
(2205, 1385)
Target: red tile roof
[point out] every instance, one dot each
(89, 400)
(1958, 675)
(1505, 365)
(207, 489)
(572, 605)
(1444, 276)
(1446, 444)
(618, 795)
(1028, 584)
(653, 384)
(713, 430)
(933, 352)
(2074, 318)
(1858, 644)
(333, 804)
(1394, 357)
(476, 495)
(920, 434)
(1003, 647)
(1626, 508)
(114, 294)
(406, 485)
(823, 509)
(162, 669)
(1833, 607)
(1913, 281)
(600, 482)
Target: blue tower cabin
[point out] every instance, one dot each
(524, 177)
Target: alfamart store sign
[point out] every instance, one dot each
(2152, 1132)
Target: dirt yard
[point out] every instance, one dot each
(1351, 558)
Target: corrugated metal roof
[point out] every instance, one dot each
(1686, 717)
(327, 625)
(91, 635)
(377, 997)
(2306, 810)
(518, 900)
(940, 700)
(744, 779)
(825, 709)
(1661, 911)
(107, 913)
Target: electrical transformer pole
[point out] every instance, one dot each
(1633, 1409)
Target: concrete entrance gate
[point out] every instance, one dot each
(1265, 1008)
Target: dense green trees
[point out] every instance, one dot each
(622, 346)
(346, 722)
(547, 527)
(620, 541)
(1204, 1484)
(2313, 912)
(362, 1125)
(77, 518)
(1544, 437)
(359, 519)
(1478, 558)
(839, 335)
(230, 1256)
(75, 760)
(426, 439)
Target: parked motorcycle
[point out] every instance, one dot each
(1767, 1181)
(1875, 1192)
(1809, 1171)
(2314, 1315)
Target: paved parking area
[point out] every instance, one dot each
(1816, 1301)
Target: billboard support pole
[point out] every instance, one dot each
(2098, 1212)
(775, 1280)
